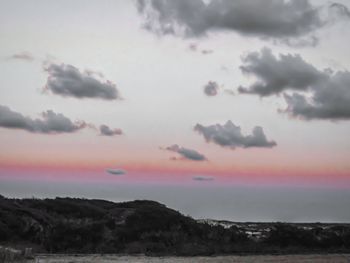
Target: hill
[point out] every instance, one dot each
(72, 225)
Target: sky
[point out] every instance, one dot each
(219, 108)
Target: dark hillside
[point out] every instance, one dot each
(71, 225)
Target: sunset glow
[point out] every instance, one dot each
(108, 92)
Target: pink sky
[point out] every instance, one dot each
(161, 81)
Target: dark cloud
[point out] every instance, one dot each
(68, 81)
(211, 89)
(116, 171)
(266, 19)
(187, 153)
(202, 178)
(106, 131)
(277, 74)
(330, 99)
(230, 135)
(317, 94)
(50, 123)
(23, 56)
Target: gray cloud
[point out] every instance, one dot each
(50, 123)
(106, 131)
(207, 51)
(202, 178)
(325, 94)
(277, 74)
(340, 10)
(230, 135)
(68, 81)
(194, 48)
(266, 19)
(116, 171)
(23, 56)
(187, 153)
(211, 88)
(330, 99)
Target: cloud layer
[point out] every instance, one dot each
(265, 19)
(229, 135)
(66, 80)
(186, 153)
(106, 131)
(50, 123)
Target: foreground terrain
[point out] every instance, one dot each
(69, 225)
(219, 259)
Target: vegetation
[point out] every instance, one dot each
(70, 225)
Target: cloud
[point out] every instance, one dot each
(277, 19)
(316, 94)
(106, 131)
(194, 48)
(66, 80)
(26, 56)
(330, 99)
(207, 51)
(50, 123)
(339, 10)
(277, 74)
(116, 171)
(186, 153)
(202, 178)
(211, 89)
(229, 135)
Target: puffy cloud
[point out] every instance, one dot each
(187, 153)
(330, 99)
(106, 131)
(116, 171)
(277, 74)
(50, 123)
(202, 178)
(66, 80)
(211, 88)
(266, 19)
(23, 56)
(230, 135)
(317, 94)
